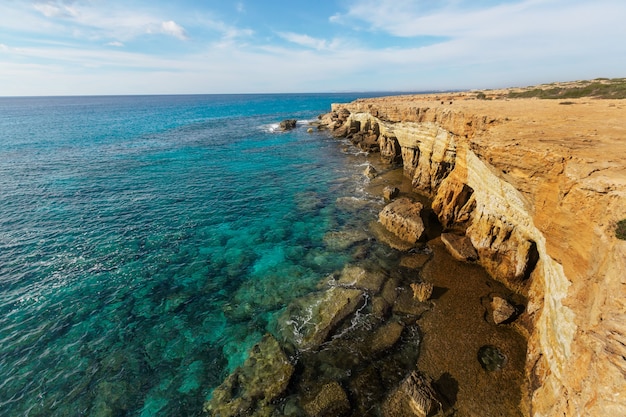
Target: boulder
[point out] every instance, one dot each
(307, 322)
(403, 218)
(253, 387)
(406, 305)
(502, 310)
(370, 172)
(422, 397)
(287, 124)
(389, 192)
(415, 260)
(385, 337)
(344, 239)
(358, 277)
(460, 247)
(422, 291)
(331, 401)
(415, 396)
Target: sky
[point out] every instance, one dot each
(93, 47)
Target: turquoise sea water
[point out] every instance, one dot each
(146, 243)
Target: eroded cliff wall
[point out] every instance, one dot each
(537, 187)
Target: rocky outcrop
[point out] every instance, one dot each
(502, 310)
(287, 124)
(403, 218)
(251, 389)
(415, 396)
(537, 188)
(460, 247)
(331, 401)
(309, 320)
(422, 291)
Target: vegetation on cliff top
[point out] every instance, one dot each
(599, 88)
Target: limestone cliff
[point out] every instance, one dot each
(537, 186)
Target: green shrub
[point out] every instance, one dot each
(620, 230)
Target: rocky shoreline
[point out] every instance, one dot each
(476, 291)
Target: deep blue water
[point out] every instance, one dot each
(146, 243)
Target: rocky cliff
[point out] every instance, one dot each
(537, 186)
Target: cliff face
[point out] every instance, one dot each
(537, 186)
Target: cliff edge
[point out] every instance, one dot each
(538, 187)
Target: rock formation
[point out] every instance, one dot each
(251, 389)
(287, 124)
(422, 291)
(403, 218)
(537, 188)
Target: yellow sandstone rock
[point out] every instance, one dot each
(538, 188)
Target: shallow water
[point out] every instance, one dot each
(146, 243)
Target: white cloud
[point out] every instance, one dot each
(52, 9)
(116, 44)
(173, 29)
(304, 40)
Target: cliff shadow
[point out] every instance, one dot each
(448, 389)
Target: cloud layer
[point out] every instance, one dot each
(117, 47)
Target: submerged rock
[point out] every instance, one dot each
(460, 247)
(358, 277)
(331, 401)
(386, 336)
(343, 239)
(250, 390)
(403, 218)
(491, 358)
(307, 322)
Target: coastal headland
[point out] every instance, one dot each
(529, 191)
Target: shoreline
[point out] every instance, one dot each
(530, 186)
(537, 188)
(335, 353)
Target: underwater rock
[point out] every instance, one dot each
(407, 305)
(307, 321)
(358, 277)
(491, 358)
(252, 387)
(380, 307)
(366, 390)
(502, 310)
(386, 336)
(403, 218)
(390, 290)
(422, 291)
(389, 192)
(415, 260)
(460, 247)
(343, 239)
(331, 401)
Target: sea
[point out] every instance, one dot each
(148, 242)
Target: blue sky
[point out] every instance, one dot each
(76, 47)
